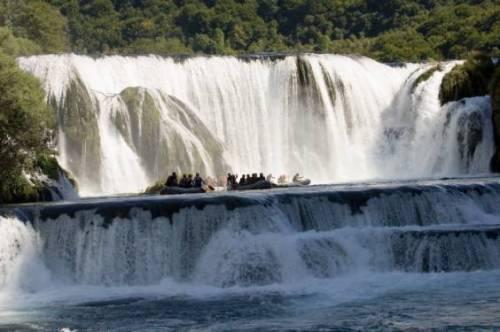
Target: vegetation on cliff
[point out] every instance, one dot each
(468, 80)
(25, 123)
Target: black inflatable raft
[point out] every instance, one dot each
(263, 184)
(180, 191)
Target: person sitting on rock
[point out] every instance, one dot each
(198, 181)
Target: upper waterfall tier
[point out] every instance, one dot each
(125, 122)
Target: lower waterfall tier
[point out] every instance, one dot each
(252, 239)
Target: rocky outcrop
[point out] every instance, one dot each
(77, 119)
(478, 76)
(425, 76)
(46, 182)
(467, 80)
(167, 134)
(495, 106)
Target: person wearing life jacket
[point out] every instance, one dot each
(198, 181)
(190, 182)
(172, 180)
(297, 178)
(184, 181)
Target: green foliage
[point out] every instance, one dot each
(48, 165)
(389, 30)
(16, 46)
(405, 44)
(34, 22)
(467, 80)
(24, 134)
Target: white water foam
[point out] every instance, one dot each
(355, 120)
(21, 265)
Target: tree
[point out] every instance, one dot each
(24, 129)
(36, 21)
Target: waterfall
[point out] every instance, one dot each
(21, 266)
(125, 122)
(253, 239)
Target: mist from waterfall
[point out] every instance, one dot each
(126, 122)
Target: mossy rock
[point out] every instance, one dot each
(77, 118)
(467, 80)
(163, 148)
(155, 188)
(23, 191)
(145, 127)
(425, 76)
(305, 77)
(330, 84)
(49, 166)
(495, 106)
(308, 89)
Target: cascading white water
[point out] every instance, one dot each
(21, 266)
(265, 239)
(128, 121)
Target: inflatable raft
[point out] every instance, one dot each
(180, 191)
(263, 184)
(305, 182)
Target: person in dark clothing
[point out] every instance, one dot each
(184, 181)
(198, 181)
(190, 181)
(249, 179)
(255, 178)
(262, 177)
(172, 180)
(243, 180)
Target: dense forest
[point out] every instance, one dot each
(389, 30)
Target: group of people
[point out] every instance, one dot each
(231, 181)
(247, 179)
(186, 181)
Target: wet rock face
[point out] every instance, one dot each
(468, 80)
(77, 118)
(470, 133)
(495, 103)
(144, 119)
